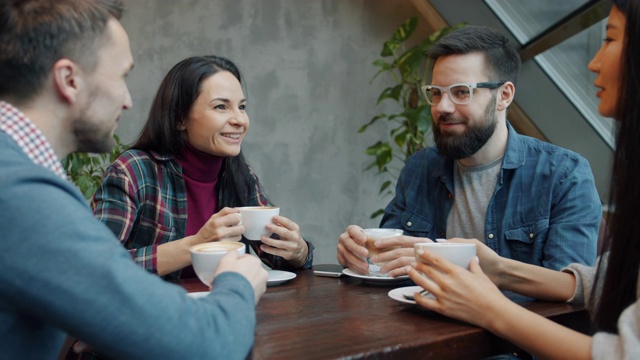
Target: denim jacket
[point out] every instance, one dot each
(545, 209)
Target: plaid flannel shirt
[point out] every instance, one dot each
(143, 200)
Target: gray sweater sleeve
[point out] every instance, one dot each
(625, 344)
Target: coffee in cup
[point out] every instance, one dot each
(377, 234)
(205, 257)
(255, 220)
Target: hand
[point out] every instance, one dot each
(223, 225)
(248, 266)
(465, 295)
(400, 255)
(291, 246)
(351, 251)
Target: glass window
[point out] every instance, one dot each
(565, 63)
(526, 18)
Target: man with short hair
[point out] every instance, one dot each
(63, 65)
(526, 199)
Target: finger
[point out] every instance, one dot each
(399, 263)
(427, 302)
(474, 266)
(356, 233)
(286, 222)
(352, 246)
(278, 243)
(231, 219)
(351, 261)
(402, 241)
(225, 211)
(423, 281)
(434, 275)
(392, 255)
(399, 271)
(224, 232)
(283, 233)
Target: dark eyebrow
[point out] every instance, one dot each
(226, 101)
(611, 26)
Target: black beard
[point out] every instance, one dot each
(462, 146)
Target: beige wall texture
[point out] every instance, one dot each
(307, 66)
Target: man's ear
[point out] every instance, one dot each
(67, 80)
(505, 95)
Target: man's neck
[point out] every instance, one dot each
(492, 150)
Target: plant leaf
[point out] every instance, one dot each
(371, 122)
(405, 30)
(391, 93)
(384, 186)
(401, 138)
(377, 213)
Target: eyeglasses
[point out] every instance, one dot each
(458, 93)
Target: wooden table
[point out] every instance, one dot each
(313, 317)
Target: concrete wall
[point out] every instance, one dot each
(307, 66)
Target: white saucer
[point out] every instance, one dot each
(398, 294)
(197, 295)
(375, 279)
(277, 277)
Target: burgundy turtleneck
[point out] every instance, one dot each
(200, 172)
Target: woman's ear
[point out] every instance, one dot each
(505, 95)
(67, 79)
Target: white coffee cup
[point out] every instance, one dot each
(377, 234)
(457, 253)
(255, 220)
(205, 257)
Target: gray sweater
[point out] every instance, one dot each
(625, 344)
(64, 272)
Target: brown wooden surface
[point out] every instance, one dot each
(313, 317)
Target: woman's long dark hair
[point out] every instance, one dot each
(621, 277)
(170, 108)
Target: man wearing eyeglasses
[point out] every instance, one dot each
(526, 199)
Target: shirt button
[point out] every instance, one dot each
(449, 196)
(531, 236)
(490, 236)
(409, 223)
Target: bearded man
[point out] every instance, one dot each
(526, 199)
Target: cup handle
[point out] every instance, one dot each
(240, 223)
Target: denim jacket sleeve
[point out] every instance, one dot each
(574, 219)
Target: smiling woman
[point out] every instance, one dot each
(181, 182)
(218, 119)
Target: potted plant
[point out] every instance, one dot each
(409, 69)
(85, 170)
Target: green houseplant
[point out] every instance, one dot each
(409, 69)
(85, 169)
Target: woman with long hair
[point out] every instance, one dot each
(181, 182)
(610, 290)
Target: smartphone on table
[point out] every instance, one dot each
(330, 270)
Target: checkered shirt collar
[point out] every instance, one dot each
(29, 138)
